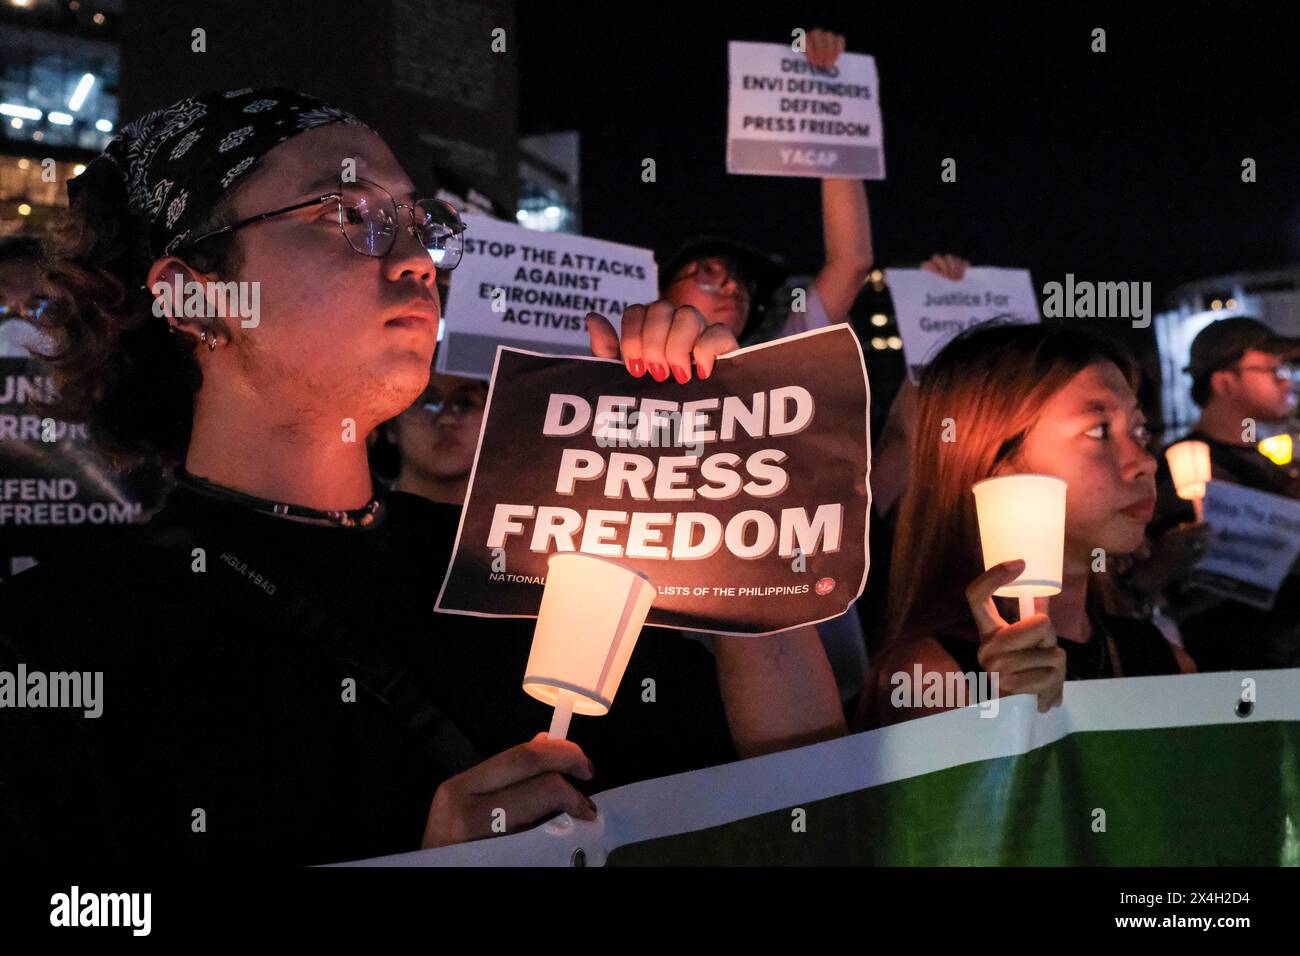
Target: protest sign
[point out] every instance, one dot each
(743, 498)
(533, 290)
(786, 117)
(1158, 754)
(1253, 544)
(931, 309)
(56, 493)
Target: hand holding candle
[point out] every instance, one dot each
(591, 614)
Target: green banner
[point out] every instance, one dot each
(1221, 795)
(1190, 770)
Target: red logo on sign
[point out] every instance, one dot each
(825, 586)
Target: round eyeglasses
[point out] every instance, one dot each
(368, 217)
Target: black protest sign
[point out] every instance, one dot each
(743, 498)
(56, 492)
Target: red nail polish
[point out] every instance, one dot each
(680, 374)
(699, 370)
(637, 367)
(657, 372)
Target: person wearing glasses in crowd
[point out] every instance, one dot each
(21, 301)
(1042, 399)
(1244, 379)
(436, 438)
(261, 644)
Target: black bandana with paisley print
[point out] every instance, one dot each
(173, 165)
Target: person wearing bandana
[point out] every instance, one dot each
(276, 686)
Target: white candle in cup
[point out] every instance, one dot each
(1022, 517)
(1189, 466)
(591, 614)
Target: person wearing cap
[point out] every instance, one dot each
(1243, 372)
(275, 686)
(1242, 379)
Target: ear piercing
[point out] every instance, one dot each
(207, 338)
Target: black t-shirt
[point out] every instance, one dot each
(281, 691)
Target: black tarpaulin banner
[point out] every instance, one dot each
(743, 498)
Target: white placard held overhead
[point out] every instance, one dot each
(532, 290)
(786, 117)
(931, 309)
(1253, 544)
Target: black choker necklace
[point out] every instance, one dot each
(357, 517)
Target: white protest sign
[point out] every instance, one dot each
(1253, 545)
(532, 290)
(786, 117)
(931, 309)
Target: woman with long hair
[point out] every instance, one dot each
(1004, 399)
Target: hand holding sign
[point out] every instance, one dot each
(824, 48)
(947, 266)
(750, 484)
(790, 115)
(945, 296)
(659, 338)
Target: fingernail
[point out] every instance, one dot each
(591, 767)
(657, 372)
(681, 375)
(591, 807)
(702, 372)
(636, 366)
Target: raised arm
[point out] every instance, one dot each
(846, 218)
(846, 227)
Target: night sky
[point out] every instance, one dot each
(1123, 165)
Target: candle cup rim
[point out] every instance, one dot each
(1022, 474)
(1032, 588)
(596, 557)
(582, 693)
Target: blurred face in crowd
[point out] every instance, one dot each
(715, 286)
(1092, 434)
(438, 435)
(341, 334)
(20, 300)
(1258, 385)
